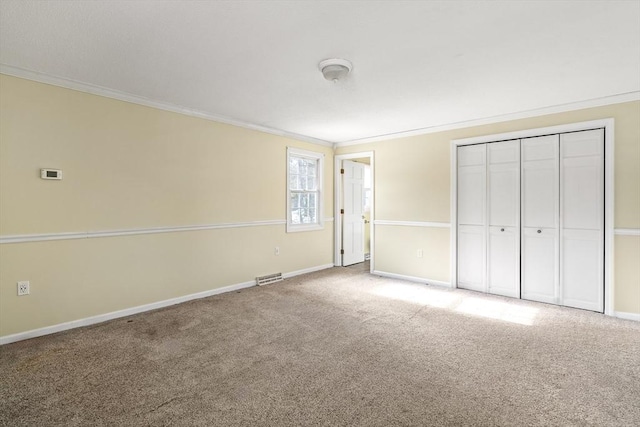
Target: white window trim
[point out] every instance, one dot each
(313, 155)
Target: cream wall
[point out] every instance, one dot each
(412, 183)
(127, 166)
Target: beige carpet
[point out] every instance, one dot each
(334, 348)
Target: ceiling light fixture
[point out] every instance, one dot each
(335, 69)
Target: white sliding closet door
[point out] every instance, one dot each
(582, 219)
(471, 217)
(540, 215)
(503, 196)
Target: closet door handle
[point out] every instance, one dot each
(502, 229)
(539, 231)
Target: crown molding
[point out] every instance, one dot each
(147, 102)
(562, 108)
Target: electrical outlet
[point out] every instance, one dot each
(23, 288)
(276, 250)
(419, 253)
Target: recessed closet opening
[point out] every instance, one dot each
(532, 215)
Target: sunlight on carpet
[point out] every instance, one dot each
(498, 310)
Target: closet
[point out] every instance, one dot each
(530, 218)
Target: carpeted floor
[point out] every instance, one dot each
(334, 348)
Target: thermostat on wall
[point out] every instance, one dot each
(50, 174)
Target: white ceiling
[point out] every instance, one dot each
(417, 65)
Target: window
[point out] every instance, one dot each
(304, 184)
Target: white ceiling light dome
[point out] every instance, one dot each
(335, 69)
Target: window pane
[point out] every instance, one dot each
(295, 216)
(293, 182)
(312, 216)
(293, 164)
(312, 201)
(294, 201)
(311, 183)
(311, 167)
(304, 200)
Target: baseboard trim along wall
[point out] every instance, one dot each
(134, 231)
(47, 330)
(411, 278)
(627, 316)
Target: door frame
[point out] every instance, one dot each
(337, 205)
(609, 199)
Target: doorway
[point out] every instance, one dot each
(354, 209)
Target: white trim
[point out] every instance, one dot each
(120, 313)
(626, 316)
(337, 203)
(139, 100)
(412, 278)
(608, 125)
(414, 223)
(529, 133)
(609, 212)
(318, 157)
(627, 231)
(307, 270)
(131, 232)
(47, 330)
(591, 103)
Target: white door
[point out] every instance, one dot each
(503, 197)
(540, 217)
(353, 217)
(472, 217)
(582, 219)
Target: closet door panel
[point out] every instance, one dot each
(504, 261)
(539, 186)
(471, 257)
(540, 265)
(540, 215)
(503, 195)
(582, 272)
(472, 217)
(582, 204)
(471, 184)
(504, 183)
(582, 219)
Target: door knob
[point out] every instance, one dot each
(539, 231)
(502, 229)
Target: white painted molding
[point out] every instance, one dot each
(337, 205)
(135, 99)
(412, 278)
(527, 133)
(47, 330)
(627, 316)
(591, 103)
(627, 231)
(307, 270)
(414, 223)
(22, 238)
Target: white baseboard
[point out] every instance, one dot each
(412, 278)
(47, 330)
(627, 316)
(307, 270)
